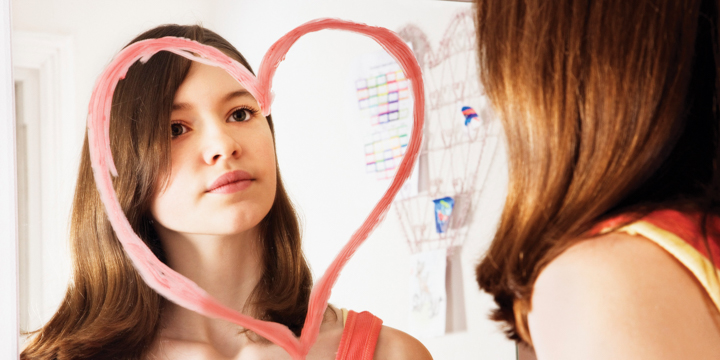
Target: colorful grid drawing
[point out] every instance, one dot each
(384, 98)
(385, 101)
(384, 151)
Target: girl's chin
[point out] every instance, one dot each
(213, 229)
(211, 222)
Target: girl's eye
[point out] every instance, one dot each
(240, 115)
(176, 130)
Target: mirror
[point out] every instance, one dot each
(60, 48)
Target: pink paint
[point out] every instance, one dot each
(176, 287)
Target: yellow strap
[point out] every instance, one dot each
(344, 315)
(696, 262)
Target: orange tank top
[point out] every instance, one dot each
(359, 336)
(681, 235)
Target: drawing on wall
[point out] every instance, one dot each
(384, 109)
(427, 294)
(461, 137)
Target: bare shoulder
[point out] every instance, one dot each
(622, 297)
(395, 344)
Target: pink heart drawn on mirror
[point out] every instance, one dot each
(165, 280)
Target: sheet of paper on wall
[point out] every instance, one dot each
(383, 102)
(428, 299)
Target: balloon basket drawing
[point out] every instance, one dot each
(455, 158)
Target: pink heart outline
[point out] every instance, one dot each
(165, 280)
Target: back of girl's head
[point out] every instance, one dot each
(608, 107)
(108, 311)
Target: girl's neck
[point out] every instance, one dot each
(227, 267)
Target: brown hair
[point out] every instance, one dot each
(108, 311)
(609, 107)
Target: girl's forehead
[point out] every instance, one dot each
(208, 83)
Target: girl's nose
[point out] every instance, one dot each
(219, 145)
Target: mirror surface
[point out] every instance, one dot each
(62, 46)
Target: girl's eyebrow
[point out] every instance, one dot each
(236, 94)
(228, 97)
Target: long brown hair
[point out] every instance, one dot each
(108, 311)
(609, 107)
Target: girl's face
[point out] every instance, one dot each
(223, 174)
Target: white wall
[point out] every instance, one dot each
(321, 159)
(316, 147)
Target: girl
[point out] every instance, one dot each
(198, 181)
(609, 243)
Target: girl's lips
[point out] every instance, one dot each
(231, 182)
(232, 187)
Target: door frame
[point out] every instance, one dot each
(55, 158)
(9, 319)
(51, 56)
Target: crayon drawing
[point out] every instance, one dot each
(427, 294)
(384, 107)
